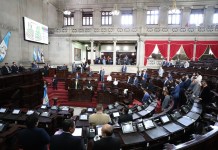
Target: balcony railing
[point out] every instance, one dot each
(136, 30)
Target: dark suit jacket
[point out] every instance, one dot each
(124, 68)
(125, 118)
(54, 81)
(107, 143)
(33, 139)
(66, 141)
(206, 95)
(6, 71)
(14, 69)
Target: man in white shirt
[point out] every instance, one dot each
(115, 82)
(160, 71)
(109, 78)
(186, 64)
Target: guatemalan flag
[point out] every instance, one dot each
(34, 54)
(45, 97)
(4, 46)
(39, 55)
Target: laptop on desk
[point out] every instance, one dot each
(135, 116)
(127, 127)
(165, 119)
(143, 112)
(196, 110)
(156, 133)
(172, 127)
(83, 117)
(16, 111)
(148, 124)
(132, 138)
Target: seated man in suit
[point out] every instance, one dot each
(21, 68)
(107, 142)
(65, 140)
(135, 81)
(99, 118)
(14, 68)
(125, 117)
(89, 85)
(6, 69)
(77, 76)
(32, 137)
(129, 80)
(34, 66)
(90, 73)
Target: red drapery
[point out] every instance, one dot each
(174, 47)
(188, 47)
(149, 48)
(201, 47)
(214, 47)
(163, 46)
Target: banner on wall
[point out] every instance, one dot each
(4, 46)
(38, 55)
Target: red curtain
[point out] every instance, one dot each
(149, 48)
(201, 47)
(163, 46)
(188, 47)
(174, 47)
(214, 48)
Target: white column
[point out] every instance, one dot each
(194, 53)
(168, 51)
(141, 53)
(92, 47)
(78, 18)
(97, 17)
(114, 52)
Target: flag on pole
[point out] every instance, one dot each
(38, 55)
(34, 54)
(4, 46)
(45, 97)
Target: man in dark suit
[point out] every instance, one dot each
(205, 95)
(66, 141)
(6, 69)
(124, 69)
(107, 142)
(129, 80)
(76, 85)
(55, 82)
(102, 72)
(175, 93)
(14, 68)
(135, 81)
(33, 138)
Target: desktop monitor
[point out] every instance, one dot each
(90, 110)
(164, 119)
(116, 114)
(99, 130)
(77, 132)
(110, 106)
(3, 110)
(3, 126)
(54, 108)
(127, 127)
(116, 104)
(139, 108)
(177, 114)
(83, 117)
(148, 124)
(16, 111)
(43, 106)
(65, 108)
(45, 114)
(30, 112)
(140, 127)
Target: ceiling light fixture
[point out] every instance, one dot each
(67, 12)
(115, 11)
(174, 8)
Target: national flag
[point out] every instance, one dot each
(38, 55)
(4, 46)
(45, 97)
(42, 56)
(34, 54)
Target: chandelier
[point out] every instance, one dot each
(174, 8)
(67, 12)
(115, 11)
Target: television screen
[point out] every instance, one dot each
(99, 131)
(3, 110)
(45, 114)
(35, 31)
(164, 119)
(16, 111)
(116, 114)
(83, 117)
(43, 107)
(148, 124)
(77, 132)
(127, 127)
(29, 112)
